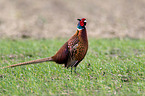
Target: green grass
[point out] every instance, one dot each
(111, 67)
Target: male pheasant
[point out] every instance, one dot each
(71, 53)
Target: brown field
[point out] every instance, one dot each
(57, 18)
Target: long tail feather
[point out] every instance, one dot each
(30, 62)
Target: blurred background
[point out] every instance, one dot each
(58, 18)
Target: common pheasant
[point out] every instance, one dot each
(71, 53)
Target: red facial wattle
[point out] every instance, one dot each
(81, 23)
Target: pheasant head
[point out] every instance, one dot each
(81, 24)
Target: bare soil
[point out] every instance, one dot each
(57, 18)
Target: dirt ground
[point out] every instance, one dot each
(57, 18)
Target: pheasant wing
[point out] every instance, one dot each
(72, 47)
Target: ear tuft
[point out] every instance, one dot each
(79, 19)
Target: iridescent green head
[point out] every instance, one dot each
(81, 24)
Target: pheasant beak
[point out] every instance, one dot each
(85, 22)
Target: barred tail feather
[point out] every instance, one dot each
(30, 62)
